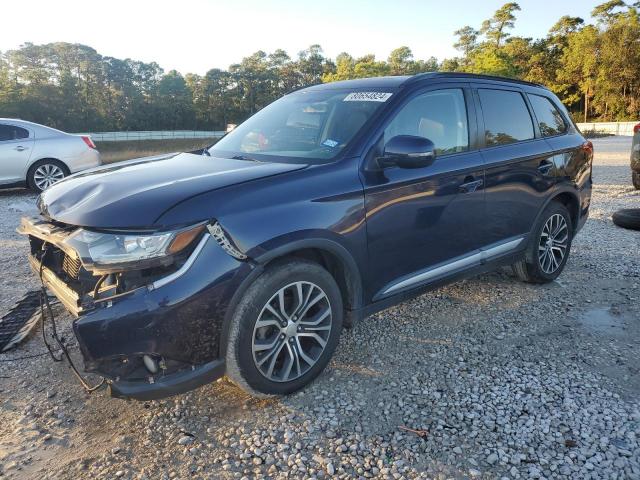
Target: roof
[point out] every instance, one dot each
(468, 76)
(399, 81)
(372, 82)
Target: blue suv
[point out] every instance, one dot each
(332, 203)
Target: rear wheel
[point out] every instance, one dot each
(284, 329)
(45, 173)
(549, 248)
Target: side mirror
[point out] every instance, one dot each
(408, 151)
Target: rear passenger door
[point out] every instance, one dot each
(16, 144)
(518, 161)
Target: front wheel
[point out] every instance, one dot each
(284, 329)
(549, 247)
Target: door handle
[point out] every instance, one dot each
(471, 186)
(545, 167)
(20, 148)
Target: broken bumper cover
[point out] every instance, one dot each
(176, 321)
(170, 385)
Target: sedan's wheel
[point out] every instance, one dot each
(45, 173)
(284, 329)
(549, 246)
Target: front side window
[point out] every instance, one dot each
(10, 132)
(549, 118)
(440, 116)
(506, 117)
(303, 126)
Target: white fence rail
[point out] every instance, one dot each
(614, 128)
(152, 135)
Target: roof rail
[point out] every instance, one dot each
(424, 76)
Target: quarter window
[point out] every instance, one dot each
(10, 132)
(440, 116)
(506, 117)
(549, 118)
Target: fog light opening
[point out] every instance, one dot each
(150, 364)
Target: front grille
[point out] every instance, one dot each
(71, 266)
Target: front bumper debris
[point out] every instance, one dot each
(175, 319)
(170, 385)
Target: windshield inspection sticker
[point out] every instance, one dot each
(367, 97)
(330, 143)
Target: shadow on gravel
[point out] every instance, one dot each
(16, 192)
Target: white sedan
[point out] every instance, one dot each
(39, 156)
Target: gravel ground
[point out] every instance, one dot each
(487, 378)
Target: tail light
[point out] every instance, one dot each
(587, 148)
(88, 141)
(636, 129)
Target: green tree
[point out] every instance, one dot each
(495, 28)
(467, 40)
(174, 103)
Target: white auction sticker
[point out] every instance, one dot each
(367, 97)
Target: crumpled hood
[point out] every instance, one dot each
(134, 194)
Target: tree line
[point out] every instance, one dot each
(593, 67)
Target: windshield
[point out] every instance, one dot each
(311, 125)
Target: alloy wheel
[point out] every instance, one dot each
(46, 175)
(292, 331)
(554, 241)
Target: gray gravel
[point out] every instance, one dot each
(487, 378)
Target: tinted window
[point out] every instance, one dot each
(440, 116)
(549, 118)
(9, 132)
(506, 117)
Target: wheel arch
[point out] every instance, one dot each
(568, 198)
(335, 258)
(328, 253)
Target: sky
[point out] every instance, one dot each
(196, 35)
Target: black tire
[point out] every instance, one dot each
(241, 364)
(627, 218)
(31, 180)
(531, 268)
(635, 179)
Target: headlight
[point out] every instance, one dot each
(104, 251)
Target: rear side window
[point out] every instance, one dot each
(549, 118)
(9, 132)
(506, 117)
(440, 116)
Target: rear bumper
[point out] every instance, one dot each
(89, 158)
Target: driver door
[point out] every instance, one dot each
(426, 223)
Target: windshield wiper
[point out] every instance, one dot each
(243, 157)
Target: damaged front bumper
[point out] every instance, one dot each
(159, 338)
